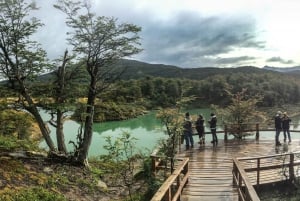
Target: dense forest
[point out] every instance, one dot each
(144, 87)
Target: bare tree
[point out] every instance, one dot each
(100, 41)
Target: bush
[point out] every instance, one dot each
(32, 194)
(15, 123)
(11, 143)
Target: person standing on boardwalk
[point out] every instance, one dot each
(187, 131)
(286, 126)
(278, 127)
(200, 129)
(213, 128)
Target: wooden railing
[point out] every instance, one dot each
(246, 190)
(173, 186)
(260, 165)
(155, 162)
(249, 127)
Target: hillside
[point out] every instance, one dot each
(137, 69)
(292, 71)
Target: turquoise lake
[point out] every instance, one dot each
(147, 129)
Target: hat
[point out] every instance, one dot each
(212, 114)
(279, 112)
(285, 113)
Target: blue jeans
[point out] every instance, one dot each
(214, 134)
(277, 135)
(188, 136)
(286, 131)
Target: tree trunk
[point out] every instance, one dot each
(60, 136)
(88, 126)
(32, 108)
(45, 132)
(60, 133)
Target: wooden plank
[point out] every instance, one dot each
(211, 167)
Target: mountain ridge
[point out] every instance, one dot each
(137, 69)
(282, 69)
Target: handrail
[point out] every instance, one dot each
(257, 129)
(245, 189)
(264, 157)
(172, 187)
(290, 164)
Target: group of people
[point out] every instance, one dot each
(199, 125)
(282, 123)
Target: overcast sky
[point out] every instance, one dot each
(195, 33)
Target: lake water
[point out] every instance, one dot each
(146, 129)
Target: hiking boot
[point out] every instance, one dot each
(278, 144)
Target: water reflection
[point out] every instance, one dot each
(148, 122)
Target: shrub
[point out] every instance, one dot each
(32, 194)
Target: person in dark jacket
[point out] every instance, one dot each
(278, 127)
(187, 131)
(200, 129)
(213, 128)
(286, 126)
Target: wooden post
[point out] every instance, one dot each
(240, 185)
(257, 132)
(185, 171)
(180, 142)
(234, 171)
(258, 171)
(291, 168)
(225, 133)
(168, 195)
(153, 165)
(178, 181)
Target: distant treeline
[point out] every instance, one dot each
(275, 88)
(145, 87)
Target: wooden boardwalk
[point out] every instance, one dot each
(211, 167)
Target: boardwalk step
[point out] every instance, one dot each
(210, 198)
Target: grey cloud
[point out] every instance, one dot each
(235, 60)
(186, 40)
(280, 60)
(189, 40)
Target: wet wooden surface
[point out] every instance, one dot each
(211, 167)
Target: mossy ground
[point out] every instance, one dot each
(17, 176)
(41, 180)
